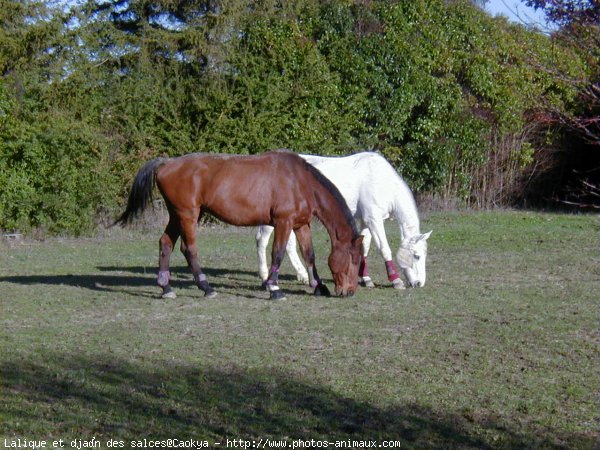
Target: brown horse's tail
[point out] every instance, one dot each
(141, 192)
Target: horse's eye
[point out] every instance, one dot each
(417, 257)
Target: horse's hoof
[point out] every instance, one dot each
(398, 284)
(263, 286)
(277, 295)
(367, 282)
(322, 291)
(210, 293)
(169, 295)
(303, 279)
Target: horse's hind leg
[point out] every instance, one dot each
(166, 244)
(189, 250)
(301, 273)
(308, 253)
(263, 233)
(262, 240)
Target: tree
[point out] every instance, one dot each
(449, 94)
(579, 29)
(569, 12)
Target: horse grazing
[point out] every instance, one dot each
(374, 192)
(277, 188)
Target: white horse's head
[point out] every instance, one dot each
(411, 258)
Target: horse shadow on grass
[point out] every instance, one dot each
(129, 279)
(110, 398)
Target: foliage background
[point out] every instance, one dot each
(472, 110)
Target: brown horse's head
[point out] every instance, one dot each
(343, 263)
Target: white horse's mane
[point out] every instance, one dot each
(400, 201)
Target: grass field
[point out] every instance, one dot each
(498, 350)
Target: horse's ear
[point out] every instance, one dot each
(421, 237)
(356, 242)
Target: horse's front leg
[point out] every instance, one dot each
(308, 253)
(189, 250)
(378, 231)
(165, 244)
(262, 240)
(363, 270)
(282, 232)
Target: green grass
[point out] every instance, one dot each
(498, 350)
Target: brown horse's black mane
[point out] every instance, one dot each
(336, 194)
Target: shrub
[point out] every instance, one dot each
(54, 174)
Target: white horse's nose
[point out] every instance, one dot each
(417, 284)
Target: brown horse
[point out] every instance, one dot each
(278, 188)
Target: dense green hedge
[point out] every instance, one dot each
(54, 173)
(88, 95)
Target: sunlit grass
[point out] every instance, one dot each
(498, 350)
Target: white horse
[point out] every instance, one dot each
(374, 192)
